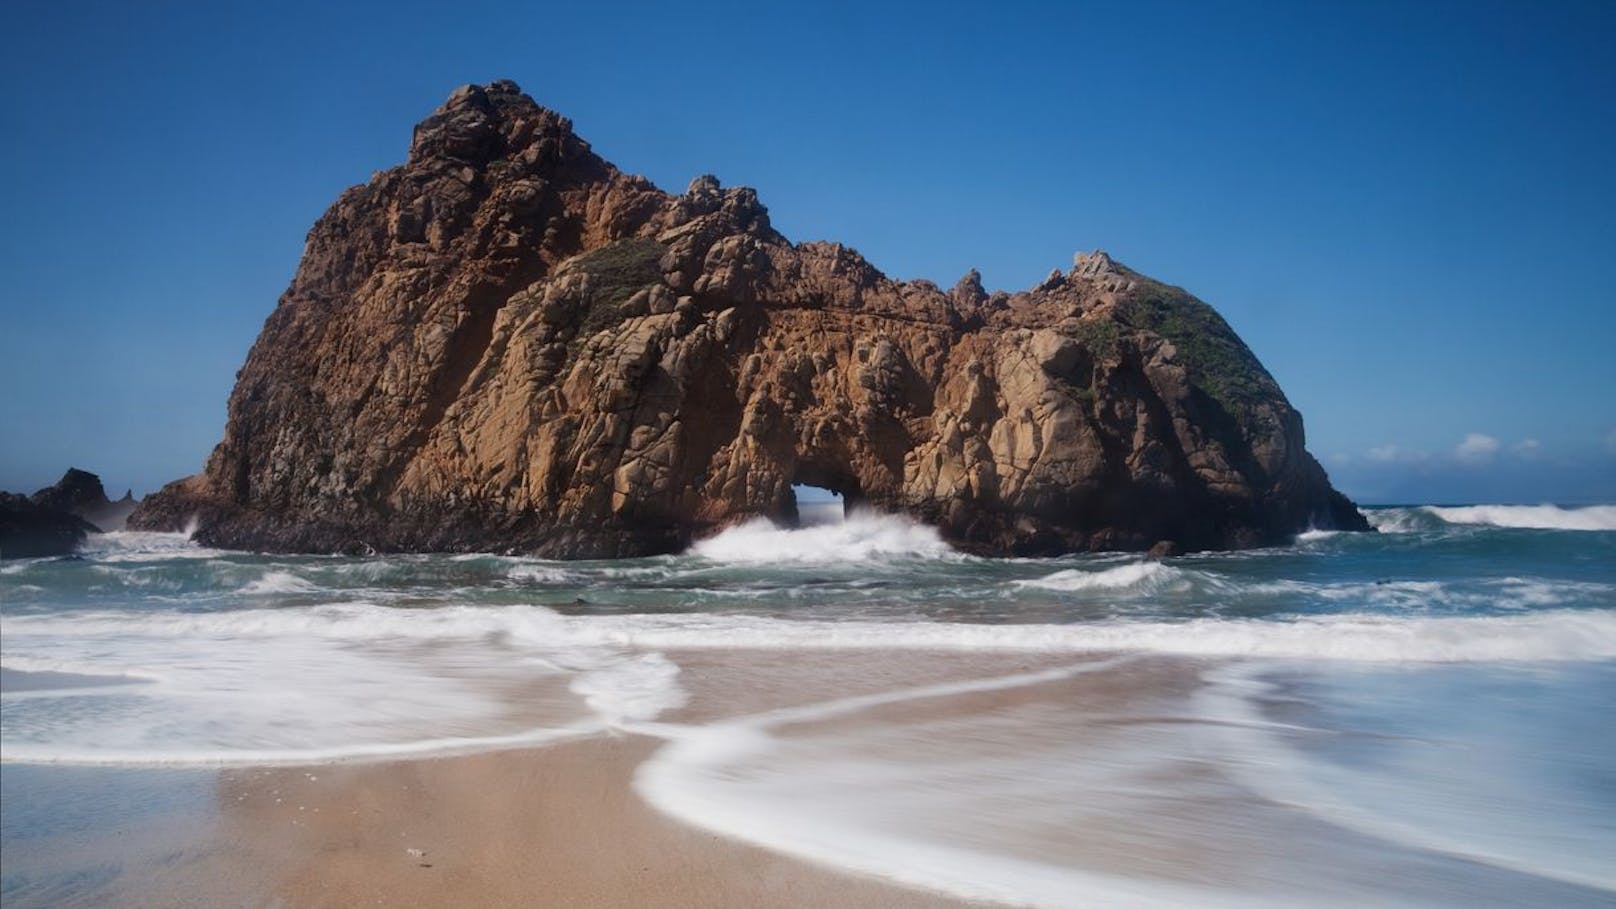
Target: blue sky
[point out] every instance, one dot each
(1407, 210)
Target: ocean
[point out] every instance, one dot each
(1425, 716)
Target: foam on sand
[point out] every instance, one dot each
(1422, 792)
(354, 680)
(747, 779)
(296, 685)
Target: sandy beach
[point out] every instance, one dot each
(551, 826)
(557, 826)
(787, 778)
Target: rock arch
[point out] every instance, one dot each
(506, 343)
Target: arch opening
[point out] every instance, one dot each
(818, 505)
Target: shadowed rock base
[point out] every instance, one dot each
(508, 344)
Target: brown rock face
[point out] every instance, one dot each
(508, 344)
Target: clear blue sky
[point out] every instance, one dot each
(1408, 210)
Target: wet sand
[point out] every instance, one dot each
(556, 826)
(559, 825)
(1148, 813)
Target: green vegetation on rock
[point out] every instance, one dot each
(618, 270)
(1100, 336)
(1218, 362)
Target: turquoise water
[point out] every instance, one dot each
(1435, 698)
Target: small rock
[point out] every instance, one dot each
(1164, 549)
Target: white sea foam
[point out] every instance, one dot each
(315, 684)
(143, 546)
(1150, 575)
(180, 755)
(1413, 809)
(357, 679)
(23, 662)
(863, 537)
(1488, 595)
(541, 574)
(1540, 635)
(278, 582)
(631, 688)
(1538, 517)
(873, 812)
(965, 806)
(1403, 520)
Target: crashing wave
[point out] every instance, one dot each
(863, 537)
(1534, 517)
(1150, 575)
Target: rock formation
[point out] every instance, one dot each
(80, 492)
(28, 530)
(508, 344)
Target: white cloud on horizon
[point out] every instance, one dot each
(1476, 447)
(1527, 448)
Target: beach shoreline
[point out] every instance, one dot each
(808, 776)
(552, 826)
(557, 824)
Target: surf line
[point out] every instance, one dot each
(785, 716)
(308, 757)
(1228, 702)
(934, 868)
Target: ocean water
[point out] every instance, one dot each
(1423, 716)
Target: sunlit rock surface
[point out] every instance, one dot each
(508, 344)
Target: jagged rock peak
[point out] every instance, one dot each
(478, 124)
(506, 343)
(75, 490)
(1103, 272)
(1094, 264)
(703, 187)
(80, 494)
(968, 290)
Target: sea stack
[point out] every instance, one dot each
(507, 344)
(80, 492)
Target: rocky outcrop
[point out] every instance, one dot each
(29, 530)
(80, 492)
(508, 344)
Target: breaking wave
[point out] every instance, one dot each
(1427, 518)
(864, 536)
(1548, 635)
(1132, 575)
(278, 582)
(1534, 517)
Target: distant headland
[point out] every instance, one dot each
(507, 344)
